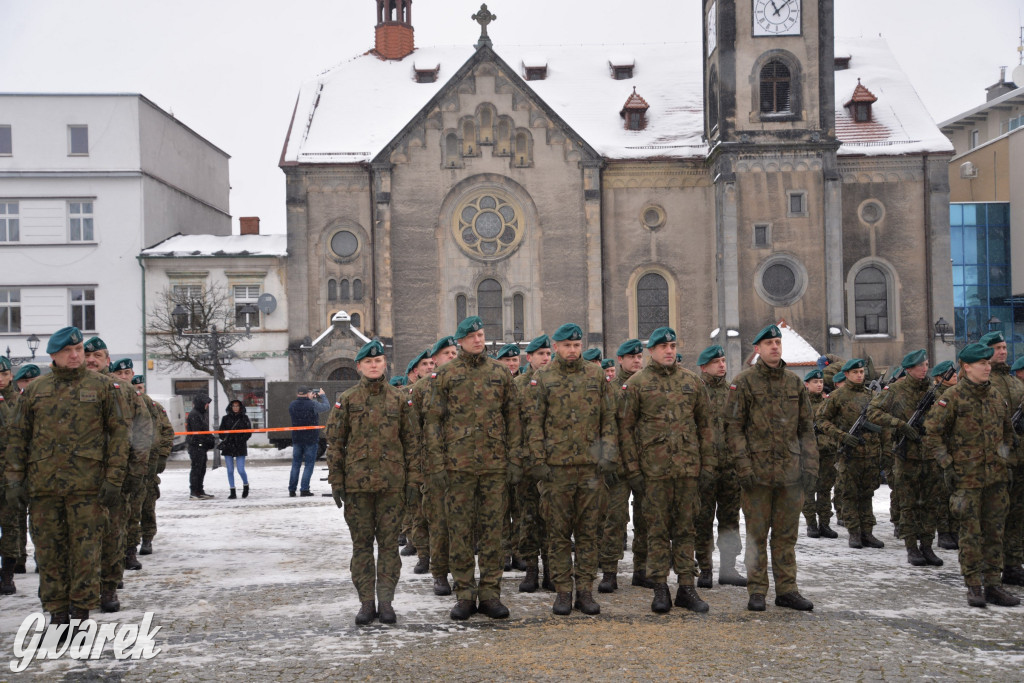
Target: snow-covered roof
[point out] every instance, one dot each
(351, 112)
(796, 351)
(219, 245)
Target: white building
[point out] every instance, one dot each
(86, 182)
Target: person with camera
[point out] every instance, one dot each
(305, 412)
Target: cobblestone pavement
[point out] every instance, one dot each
(259, 590)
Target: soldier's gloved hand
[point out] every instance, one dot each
(110, 494)
(17, 495)
(339, 496)
(851, 441)
(514, 473)
(611, 479)
(438, 481)
(540, 472)
(161, 466)
(949, 477)
(636, 483)
(411, 495)
(747, 481)
(706, 484)
(908, 431)
(808, 481)
(132, 484)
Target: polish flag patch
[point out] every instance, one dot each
(623, 387)
(732, 387)
(337, 405)
(942, 403)
(410, 401)
(533, 382)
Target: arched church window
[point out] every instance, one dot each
(460, 308)
(871, 301)
(343, 290)
(776, 85)
(468, 139)
(522, 152)
(357, 290)
(504, 141)
(357, 321)
(489, 304)
(652, 309)
(451, 150)
(332, 290)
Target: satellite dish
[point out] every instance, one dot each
(1018, 75)
(266, 303)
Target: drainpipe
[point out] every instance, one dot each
(930, 307)
(145, 363)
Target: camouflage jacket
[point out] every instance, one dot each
(969, 428)
(619, 390)
(572, 409)
(140, 433)
(163, 437)
(666, 426)
(825, 444)
(70, 436)
(1012, 391)
(894, 406)
(9, 398)
(769, 427)
(419, 392)
(471, 421)
(372, 438)
(841, 410)
(522, 389)
(718, 392)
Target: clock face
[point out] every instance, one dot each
(776, 17)
(712, 27)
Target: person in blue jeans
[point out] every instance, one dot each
(305, 411)
(232, 446)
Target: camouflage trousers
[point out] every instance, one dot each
(1013, 542)
(68, 535)
(414, 526)
(530, 525)
(773, 510)
(858, 479)
(375, 517)
(148, 518)
(982, 517)
(613, 531)
(670, 507)
(133, 524)
(574, 501)
(921, 494)
(436, 514)
(472, 498)
(10, 529)
(725, 504)
(509, 538)
(112, 558)
(639, 545)
(818, 501)
(887, 466)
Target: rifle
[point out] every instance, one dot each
(859, 426)
(1018, 419)
(899, 446)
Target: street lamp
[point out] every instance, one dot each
(994, 323)
(33, 346)
(942, 328)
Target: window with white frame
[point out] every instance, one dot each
(78, 140)
(243, 295)
(6, 148)
(80, 222)
(10, 223)
(10, 310)
(83, 308)
(190, 297)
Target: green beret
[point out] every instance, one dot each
(94, 344)
(900, 372)
(27, 371)
(1017, 365)
(371, 350)
(853, 364)
(568, 332)
(397, 381)
(770, 332)
(123, 364)
(468, 326)
(442, 344)
(592, 355)
(425, 354)
(838, 378)
(941, 369)
(814, 374)
(914, 358)
(607, 363)
(973, 353)
(139, 379)
(508, 350)
(661, 335)
(992, 338)
(5, 364)
(709, 354)
(65, 336)
(630, 347)
(541, 342)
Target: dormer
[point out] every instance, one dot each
(621, 67)
(535, 68)
(426, 74)
(635, 112)
(841, 63)
(859, 105)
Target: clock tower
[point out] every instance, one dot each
(770, 127)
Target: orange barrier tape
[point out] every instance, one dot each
(251, 431)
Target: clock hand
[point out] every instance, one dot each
(774, 7)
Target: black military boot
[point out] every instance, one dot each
(812, 527)
(463, 610)
(975, 596)
(929, 555)
(706, 579)
(231, 495)
(547, 584)
(793, 600)
(609, 583)
(687, 597)
(61, 618)
(914, 555)
(245, 491)
(408, 550)
(493, 608)
(367, 613)
(563, 603)
(662, 601)
(855, 539)
(386, 613)
(7, 586)
(825, 530)
(1013, 576)
(755, 603)
(508, 564)
(869, 540)
(441, 585)
(422, 566)
(402, 540)
(529, 583)
(997, 595)
(81, 615)
(147, 547)
(640, 579)
(19, 566)
(519, 564)
(947, 542)
(727, 574)
(585, 603)
(109, 601)
(130, 560)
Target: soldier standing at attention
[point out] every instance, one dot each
(818, 499)
(9, 515)
(67, 458)
(415, 523)
(667, 442)
(608, 365)
(25, 375)
(144, 518)
(472, 452)
(723, 498)
(968, 431)
(572, 444)
(508, 355)
(372, 439)
(770, 428)
(944, 523)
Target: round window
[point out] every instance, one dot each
(653, 217)
(488, 225)
(871, 211)
(344, 244)
(778, 280)
(781, 280)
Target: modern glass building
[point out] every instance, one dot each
(982, 298)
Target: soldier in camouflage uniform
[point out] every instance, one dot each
(915, 474)
(9, 515)
(723, 500)
(144, 520)
(833, 366)
(944, 522)
(859, 457)
(818, 499)
(144, 438)
(414, 525)
(630, 360)
(472, 432)
(531, 531)
(372, 441)
(770, 429)
(572, 449)
(666, 439)
(25, 375)
(509, 356)
(969, 433)
(67, 458)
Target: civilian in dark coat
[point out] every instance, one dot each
(232, 446)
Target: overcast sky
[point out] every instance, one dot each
(231, 69)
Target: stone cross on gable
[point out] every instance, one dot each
(483, 17)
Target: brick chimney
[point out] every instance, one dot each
(249, 225)
(394, 34)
